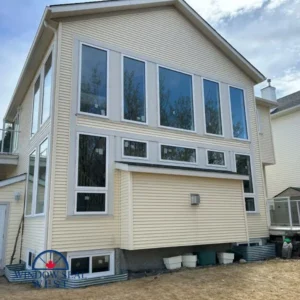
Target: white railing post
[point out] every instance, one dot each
(3, 134)
(290, 212)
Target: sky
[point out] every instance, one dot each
(266, 32)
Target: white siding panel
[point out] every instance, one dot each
(286, 172)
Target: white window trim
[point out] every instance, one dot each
(249, 195)
(14, 149)
(90, 254)
(41, 123)
(146, 89)
(135, 157)
(35, 181)
(81, 44)
(40, 74)
(27, 258)
(213, 165)
(91, 190)
(158, 98)
(246, 114)
(176, 161)
(221, 107)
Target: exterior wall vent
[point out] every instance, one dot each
(195, 199)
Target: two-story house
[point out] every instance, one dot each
(137, 126)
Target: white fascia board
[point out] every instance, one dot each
(179, 172)
(285, 112)
(12, 180)
(8, 159)
(265, 102)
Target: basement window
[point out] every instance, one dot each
(178, 154)
(135, 149)
(91, 189)
(92, 263)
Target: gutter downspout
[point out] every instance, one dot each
(53, 93)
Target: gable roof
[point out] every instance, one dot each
(289, 192)
(52, 13)
(287, 102)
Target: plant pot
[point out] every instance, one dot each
(173, 263)
(225, 258)
(189, 261)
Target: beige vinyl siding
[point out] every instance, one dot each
(125, 215)
(286, 172)
(164, 217)
(265, 136)
(144, 33)
(14, 218)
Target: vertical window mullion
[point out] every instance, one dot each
(35, 182)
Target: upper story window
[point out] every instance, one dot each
(178, 154)
(91, 174)
(238, 113)
(243, 167)
(36, 107)
(216, 158)
(213, 115)
(176, 99)
(93, 81)
(37, 180)
(46, 101)
(135, 149)
(134, 90)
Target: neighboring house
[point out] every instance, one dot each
(127, 113)
(283, 179)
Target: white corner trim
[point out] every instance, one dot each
(12, 180)
(180, 172)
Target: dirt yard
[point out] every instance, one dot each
(270, 280)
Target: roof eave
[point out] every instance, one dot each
(285, 112)
(266, 102)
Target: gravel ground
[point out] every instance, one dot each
(271, 280)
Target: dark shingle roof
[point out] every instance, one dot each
(287, 102)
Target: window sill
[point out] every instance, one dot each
(89, 216)
(253, 212)
(35, 216)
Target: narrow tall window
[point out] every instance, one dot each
(238, 113)
(243, 167)
(179, 154)
(30, 183)
(36, 105)
(42, 176)
(46, 102)
(213, 117)
(134, 78)
(176, 99)
(91, 181)
(93, 86)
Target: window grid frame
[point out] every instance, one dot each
(91, 190)
(158, 66)
(221, 107)
(177, 161)
(216, 166)
(246, 114)
(135, 157)
(249, 195)
(123, 56)
(107, 116)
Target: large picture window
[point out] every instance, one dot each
(35, 108)
(93, 81)
(238, 113)
(91, 174)
(243, 167)
(134, 89)
(179, 154)
(176, 99)
(46, 102)
(42, 176)
(134, 149)
(213, 116)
